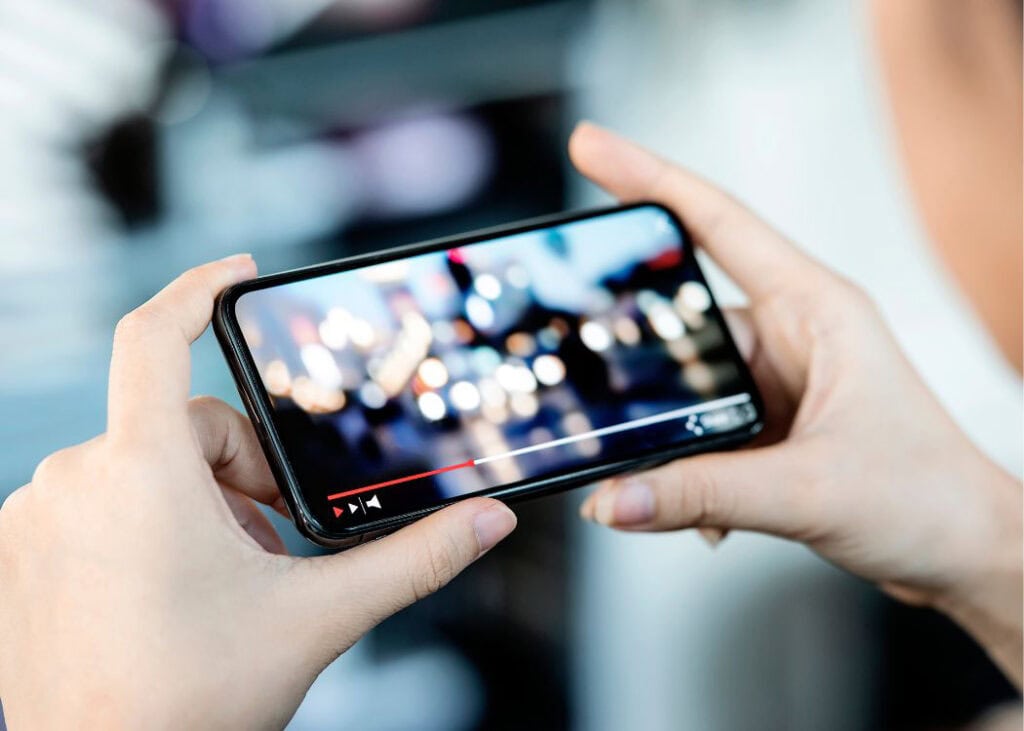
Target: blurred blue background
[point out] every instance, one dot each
(138, 138)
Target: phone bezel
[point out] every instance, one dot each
(258, 405)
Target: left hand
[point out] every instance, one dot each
(142, 586)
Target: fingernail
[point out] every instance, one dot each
(711, 536)
(587, 508)
(631, 503)
(492, 525)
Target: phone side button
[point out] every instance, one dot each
(375, 536)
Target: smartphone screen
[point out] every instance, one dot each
(403, 385)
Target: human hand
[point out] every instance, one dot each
(143, 588)
(859, 461)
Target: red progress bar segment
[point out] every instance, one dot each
(407, 478)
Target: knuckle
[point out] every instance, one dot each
(838, 306)
(437, 568)
(702, 495)
(847, 296)
(849, 316)
(9, 505)
(136, 323)
(700, 500)
(205, 403)
(202, 281)
(791, 304)
(195, 278)
(50, 467)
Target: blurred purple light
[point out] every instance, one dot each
(423, 165)
(228, 29)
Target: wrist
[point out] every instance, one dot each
(985, 594)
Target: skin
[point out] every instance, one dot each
(953, 72)
(142, 588)
(859, 461)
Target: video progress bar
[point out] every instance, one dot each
(604, 431)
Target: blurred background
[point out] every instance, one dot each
(138, 138)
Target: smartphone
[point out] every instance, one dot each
(510, 363)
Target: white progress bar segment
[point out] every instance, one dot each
(624, 426)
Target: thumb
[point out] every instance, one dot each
(352, 592)
(758, 489)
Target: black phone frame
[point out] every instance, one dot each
(258, 405)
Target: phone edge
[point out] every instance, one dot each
(243, 372)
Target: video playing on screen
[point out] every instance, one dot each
(401, 385)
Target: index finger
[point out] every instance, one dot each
(754, 255)
(150, 368)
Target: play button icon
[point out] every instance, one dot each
(338, 512)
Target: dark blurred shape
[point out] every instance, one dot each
(523, 666)
(932, 675)
(123, 163)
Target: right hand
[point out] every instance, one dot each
(861, 462)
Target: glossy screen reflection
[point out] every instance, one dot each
(404, 384)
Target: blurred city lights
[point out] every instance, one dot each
(627, 331)
(485, 360)
(518, 277)
(540, 435)
(432, 406)
(334, 328)
(683, 349)
(416, 328)
(488, 286)
(595, 336)
(549, 369)
(277, 378)
(516, 378)
(646, 299)
(479, 312)
(504, 368)
(695, 296)
(444, 332)
(699, 376)
(494, 413)
(372, 396)
(524, 405)
(321, 366)
(303, 330)
(314, 398)
(465, 396)
(433, 373)
(560, 327)
(492, 392)
(665, 322)
(576, 422)
(463, 331)
(362, 334)
(549, 338)
(251, 332)
(521, 344)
